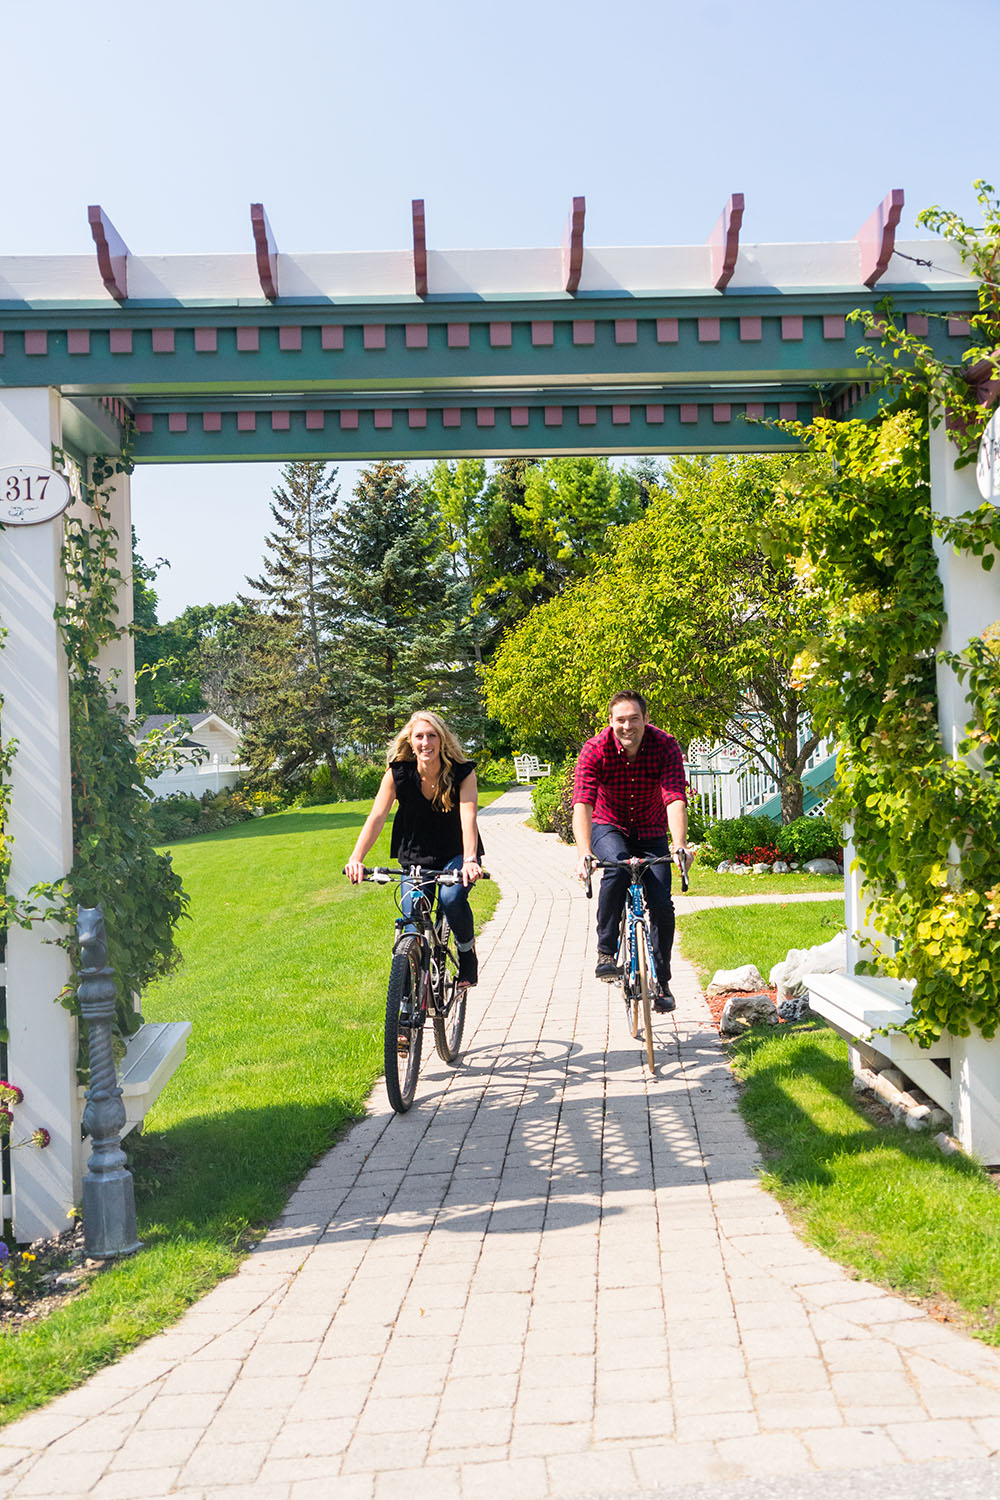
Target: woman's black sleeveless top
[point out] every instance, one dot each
(423, 834)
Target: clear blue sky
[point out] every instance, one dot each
(176, 117)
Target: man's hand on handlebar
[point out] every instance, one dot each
(355, 870)
(583, 866)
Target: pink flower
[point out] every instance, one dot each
(40, 1138)
(10, 1093)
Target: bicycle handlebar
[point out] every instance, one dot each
(637, 864)
(384, 874)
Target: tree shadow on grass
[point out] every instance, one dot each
(286, 823)
(797, 1148)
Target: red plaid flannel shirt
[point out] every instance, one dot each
(631, 794)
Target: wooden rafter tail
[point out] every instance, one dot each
(724, 242)
(419, 247)
(266, 251)
(572, 247)
(112, 252)
(877, 237)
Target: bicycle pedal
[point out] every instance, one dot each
(402, 1045)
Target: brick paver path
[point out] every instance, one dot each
(553, 1276)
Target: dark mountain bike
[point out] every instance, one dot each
(423, 981)
(636, 965)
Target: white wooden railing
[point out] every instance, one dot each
(726, 784)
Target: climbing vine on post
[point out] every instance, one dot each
(115, 862)
(924, 822)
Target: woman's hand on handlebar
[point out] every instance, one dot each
(355, 870)
(472, 871)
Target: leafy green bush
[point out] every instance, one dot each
(697, 824)
(552, 802)
(808, 838)
(181, 816)
(358, 777)
(494, 770)
(735, 838)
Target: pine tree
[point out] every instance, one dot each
(396, 609)
(295, 723)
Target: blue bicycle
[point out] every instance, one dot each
(636, 965)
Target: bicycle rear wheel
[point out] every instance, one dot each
(647, 1018)
(403, 1025)
(449, 1020)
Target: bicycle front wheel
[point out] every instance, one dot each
(643, 987)
(630, 985)
(449, 1017)
(404, 1033)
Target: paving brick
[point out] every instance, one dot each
(317, 1438)
(633, 1419)
(63, 1473)
(583, 1473)
(159, 1447)
(850, 1448)
(135, 1484)
(420, 1484)
(923, 1441)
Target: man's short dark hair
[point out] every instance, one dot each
(629, 697)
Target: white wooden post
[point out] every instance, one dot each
(971, 601)
(35, 714)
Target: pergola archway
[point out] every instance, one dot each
(274, 356)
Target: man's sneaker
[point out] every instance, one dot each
(468, 967)
(607, 966)
(662, 999)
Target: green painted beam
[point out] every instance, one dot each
(277, 434)
(299, 349)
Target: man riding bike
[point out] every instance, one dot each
(628, 790)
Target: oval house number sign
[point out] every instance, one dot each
(29, 495)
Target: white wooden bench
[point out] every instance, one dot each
(153, 1054)
(858, 1005)
(528, 766)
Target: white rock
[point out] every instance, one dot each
(723, 867)
(827, 958)
(760, 868)
(821, 867)
(779, 867)
(747, 978)
(741, 1011)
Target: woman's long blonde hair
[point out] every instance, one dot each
(451, 754)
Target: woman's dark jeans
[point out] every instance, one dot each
(610, 843)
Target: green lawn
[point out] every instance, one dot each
(284, 978)
(880, 1199)
(706, 881)
(730, 936)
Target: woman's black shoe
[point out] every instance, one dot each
(468, 967)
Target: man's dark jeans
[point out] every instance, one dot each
(611, 843)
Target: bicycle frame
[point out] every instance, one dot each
(635, 916)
